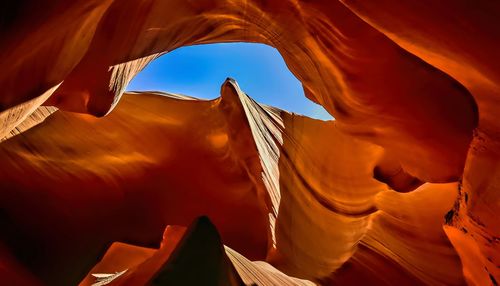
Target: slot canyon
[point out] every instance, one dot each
(104, 186)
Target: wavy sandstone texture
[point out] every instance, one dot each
(401, 189)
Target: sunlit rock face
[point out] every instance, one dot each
(402, 188)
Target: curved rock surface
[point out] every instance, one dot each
(402, 188)
(260, 176)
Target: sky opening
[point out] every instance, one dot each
(199, 71)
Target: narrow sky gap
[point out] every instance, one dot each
(199, 71)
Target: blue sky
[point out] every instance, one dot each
(199, 71)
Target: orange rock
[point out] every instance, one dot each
(413, 86)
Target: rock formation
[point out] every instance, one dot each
(402, 188)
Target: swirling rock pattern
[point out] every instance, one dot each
(402, 188)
